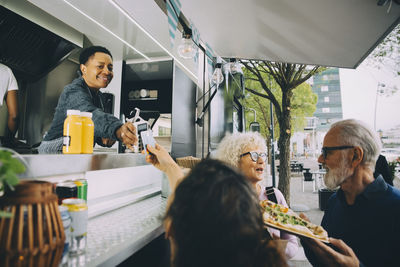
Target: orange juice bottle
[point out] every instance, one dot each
(87, 133)
(72, 143)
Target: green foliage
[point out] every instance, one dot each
(387, 54)
(261, 105)
(303, 105)
(392, 167)
(9, 168)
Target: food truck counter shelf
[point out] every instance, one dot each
(116, 235)
(47, 165)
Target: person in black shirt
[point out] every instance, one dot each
(382, 168)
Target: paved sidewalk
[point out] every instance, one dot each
(307, 199)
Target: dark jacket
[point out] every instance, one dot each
(77, 95)
(382, 168)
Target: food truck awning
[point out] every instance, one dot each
(337, 33)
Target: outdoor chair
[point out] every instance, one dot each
(308, 177)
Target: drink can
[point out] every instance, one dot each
(66, 189)
(82, 188)
(66, 220)
(78, 210)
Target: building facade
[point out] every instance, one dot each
(329, 106)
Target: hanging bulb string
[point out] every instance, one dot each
(184, 26)
(197, 102)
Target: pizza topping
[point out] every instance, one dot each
(279, 215)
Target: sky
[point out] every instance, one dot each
(359, 94)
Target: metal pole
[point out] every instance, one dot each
(376, 101)
(272, 145)
(376, 104)
(255, 116)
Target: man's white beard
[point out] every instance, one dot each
(335, 177)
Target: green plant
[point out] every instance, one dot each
(9, 168)
(392, 167)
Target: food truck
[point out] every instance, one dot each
(41, 41)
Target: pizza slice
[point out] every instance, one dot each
(283, 218)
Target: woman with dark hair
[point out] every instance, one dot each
(83, 94)
(214, 218)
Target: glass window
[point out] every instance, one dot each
(326, 99)
(325, 110)
(324, 88)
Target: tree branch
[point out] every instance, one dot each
(257, 93)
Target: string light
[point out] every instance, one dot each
(186, 48)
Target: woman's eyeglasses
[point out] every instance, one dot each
(325, 149)
(254, 155)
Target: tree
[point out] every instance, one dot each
(303, 105)
(386, 56)
(288, 77)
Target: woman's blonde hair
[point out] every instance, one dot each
(233, 145)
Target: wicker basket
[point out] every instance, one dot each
(187, 162)
(34, 236)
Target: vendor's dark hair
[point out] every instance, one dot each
(216, 221)
(90, 51)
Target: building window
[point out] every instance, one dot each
(324, 88)
(324, 77)
(326, 99)
(325, 110)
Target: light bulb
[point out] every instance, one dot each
(235, 67)
(186, 49)
(217, 77)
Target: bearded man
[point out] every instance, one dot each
(365, 212)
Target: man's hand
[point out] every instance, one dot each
(127, 135)
(304, 217)
(329, 257)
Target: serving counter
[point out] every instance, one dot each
(126, 201)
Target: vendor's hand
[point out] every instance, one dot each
(329, 257)
(107, 141)
(127, 135)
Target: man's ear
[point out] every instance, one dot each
(357, 155)
(82, 68)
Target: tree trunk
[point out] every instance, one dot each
(284, 148)
(284, 164)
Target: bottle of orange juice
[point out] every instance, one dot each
(87, 133)
(72, 143)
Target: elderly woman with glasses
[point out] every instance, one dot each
(247, 151)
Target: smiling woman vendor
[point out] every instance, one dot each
(96, 68)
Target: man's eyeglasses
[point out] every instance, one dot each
(254, 155)
(325, 149)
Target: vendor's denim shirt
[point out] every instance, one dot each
(77, 95)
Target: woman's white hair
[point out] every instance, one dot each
(356, 133)
(233, 145)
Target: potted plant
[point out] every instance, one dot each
(10, 167)
(32, 231)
